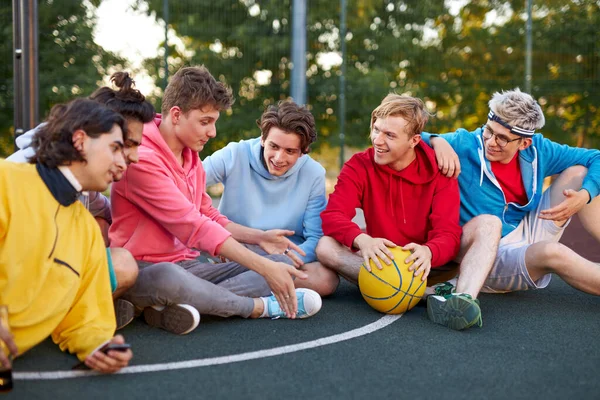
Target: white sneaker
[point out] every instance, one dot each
(309, 303)
(178, 318)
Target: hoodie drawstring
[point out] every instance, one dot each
(402, 202)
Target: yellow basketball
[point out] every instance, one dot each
(393, 289)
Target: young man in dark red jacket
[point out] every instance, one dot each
(406, 201)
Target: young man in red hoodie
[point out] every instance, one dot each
(406, 201)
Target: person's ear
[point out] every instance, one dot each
(414, 141)
(175, 113)
(525, 143)
(79, 139)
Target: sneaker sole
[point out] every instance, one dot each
(124, 313)
(455, 313)
(177, 319)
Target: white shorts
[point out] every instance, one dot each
(510, 272)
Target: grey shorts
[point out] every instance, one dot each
(509, 272)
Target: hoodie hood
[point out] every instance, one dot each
(422, 170)
(23, 142)
(256, 161)
(154, 143)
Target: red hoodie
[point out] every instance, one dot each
(417, 204)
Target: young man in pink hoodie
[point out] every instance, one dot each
(163, 216)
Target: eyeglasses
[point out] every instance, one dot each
(501, 140)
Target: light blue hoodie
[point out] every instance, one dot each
(255, 198)
(480, 192)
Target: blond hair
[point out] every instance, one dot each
(409, 108)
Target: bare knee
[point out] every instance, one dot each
(326, 281)
(550, 256)
(576, 173)
(126, 268)
(482, 227)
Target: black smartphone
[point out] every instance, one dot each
(115, 347)
(105, 349)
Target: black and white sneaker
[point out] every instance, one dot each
(124, 313)
(177, 318)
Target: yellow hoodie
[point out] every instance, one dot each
(53, 266)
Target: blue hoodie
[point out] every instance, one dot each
(480, 192)
(255, 198)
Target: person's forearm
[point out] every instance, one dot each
(244, 234)
(235, 251)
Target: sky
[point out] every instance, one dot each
(131, 34)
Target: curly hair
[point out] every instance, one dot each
(193, 88)
(53, 141)
(127, 101)
(290, 118)
(409, 108)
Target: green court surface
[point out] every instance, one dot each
(533, 345)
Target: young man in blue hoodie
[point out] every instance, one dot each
(504, 164)
(270, 183)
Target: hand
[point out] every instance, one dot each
(371, 248)
(280, 277)
(294, 257)
(446, 157)
(111, 362)
(421, 255)
(7, 338)
(275, 241)
(571, 205)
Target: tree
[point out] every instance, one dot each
(454, 62)
(70, 63)
(241, 40)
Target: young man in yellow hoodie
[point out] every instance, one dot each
(54, 278)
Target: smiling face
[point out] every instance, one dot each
(392, 144)
(281, 150)
(496, 153)
(195, 128)
(104, 158)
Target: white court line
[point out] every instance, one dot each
(204, 362)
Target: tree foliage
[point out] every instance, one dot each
(454, 61)
(70, 63)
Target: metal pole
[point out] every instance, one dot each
(25, 65)
(528, 76)
(166, 45)
(298, 90)
(17, 61)
(342, 80)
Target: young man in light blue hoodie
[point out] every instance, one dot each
(272, 183)
(504, 164)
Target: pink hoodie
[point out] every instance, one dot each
(160, 210)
